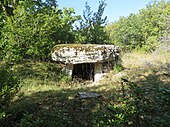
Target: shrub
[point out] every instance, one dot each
(27, 121)
(135, 107)
(117, 67)
(9, 86)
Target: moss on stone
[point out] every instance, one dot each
(80, 47)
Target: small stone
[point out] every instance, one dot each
(85, 95)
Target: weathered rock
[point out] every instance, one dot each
(76, 54)
(85, 95)
(86, 61)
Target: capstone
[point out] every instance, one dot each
(86, 61)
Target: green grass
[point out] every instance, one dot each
(48, 99)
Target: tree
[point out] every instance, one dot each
(7, 6)
(35, 27)
(142, 30)
(92, 25)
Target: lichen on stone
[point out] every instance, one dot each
(75, 46)
(82, 53)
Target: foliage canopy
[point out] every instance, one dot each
(31, 28)
(142, 30)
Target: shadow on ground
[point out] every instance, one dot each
(54, 109)
(147, 95)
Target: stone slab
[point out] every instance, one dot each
(84, 53)
(85, 95)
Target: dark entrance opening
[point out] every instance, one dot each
(84, 71)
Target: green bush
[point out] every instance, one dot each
(117, 68)
(9, 86)
(39, 26)
(135, 107)
(27, 121)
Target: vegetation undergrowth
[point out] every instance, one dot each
(9, 86)
(138, 96)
